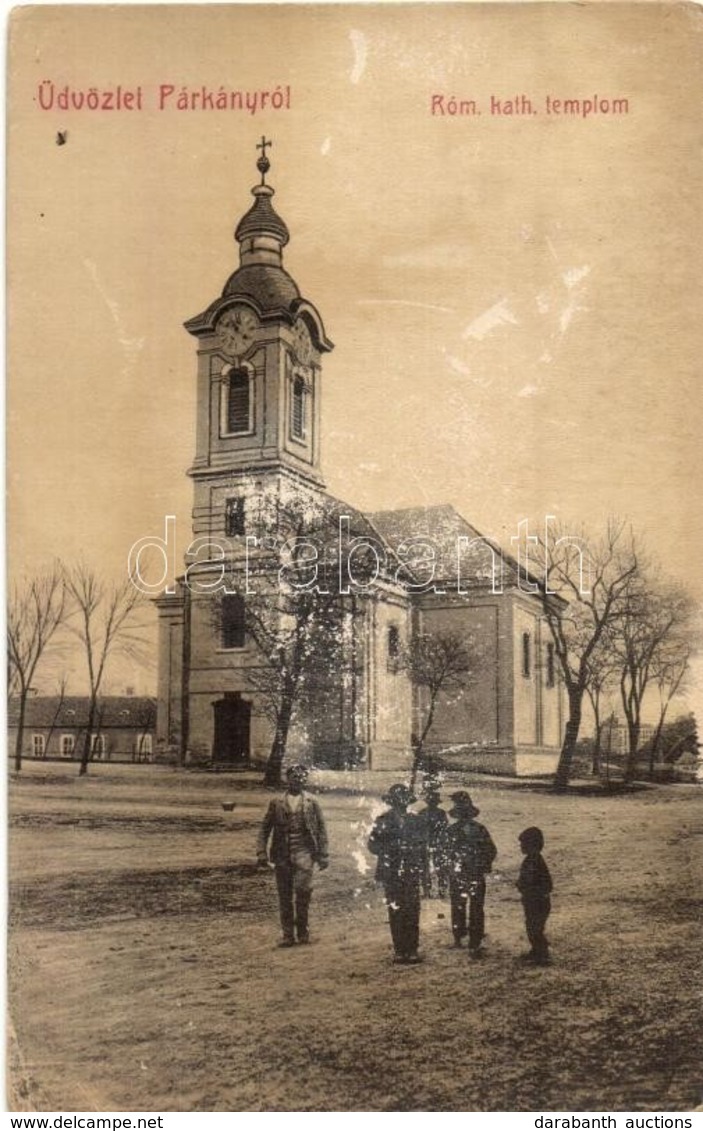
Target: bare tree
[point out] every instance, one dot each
(146, 721)
(440, 663)
(651, 637)
(298, 640)
(36, 610)
(56, 715)
(104, 623)
(671, 670)
(597, 597)
(297, 611)
(602, 671)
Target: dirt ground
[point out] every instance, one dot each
(144, 973)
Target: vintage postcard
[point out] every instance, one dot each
(354, 417)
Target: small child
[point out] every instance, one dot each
(435, 822)
(535, 885)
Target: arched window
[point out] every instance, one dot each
(238, 402)
(298, 409)
(232, 628)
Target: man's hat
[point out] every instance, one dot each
(431, 787)
(432, 793)
(399, 795)
(463, 805)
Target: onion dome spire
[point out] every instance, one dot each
(261, 233)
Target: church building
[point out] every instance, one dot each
(259, 432)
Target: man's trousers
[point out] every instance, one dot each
(294, 883)
(536, 915)
(402, 897)
(473, 893)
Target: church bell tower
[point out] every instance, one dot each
(260, 346)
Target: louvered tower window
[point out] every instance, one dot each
(238, 403)
(298, 408)
(233, 623)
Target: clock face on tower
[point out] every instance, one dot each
(303, 344)
(236, 329)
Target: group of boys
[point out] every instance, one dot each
(413, 851)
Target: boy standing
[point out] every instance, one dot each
(535, 886)
(470, 853)
(436, 822)
(398, 842)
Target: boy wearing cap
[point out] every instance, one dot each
(535, 886)
(298, 840)
(436, 822)
(470, 853)
(398, 840)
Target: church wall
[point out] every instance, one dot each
(202, 417)
(213, 448)
(223, 448)
(202, 721)
(538, 706)
(326, 729)
(170, 670)
(505, 673)
(552, 701)
(526, 679)
(272, 373)
(387, 709)
(323, 733)
(473, 716)
(213, 671)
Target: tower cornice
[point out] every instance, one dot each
(203, 324)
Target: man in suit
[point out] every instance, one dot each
(292, 839)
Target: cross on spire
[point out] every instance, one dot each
(263, 164)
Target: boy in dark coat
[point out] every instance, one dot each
(535, 886)
(436, 821)
(398, 841)
(470, 853)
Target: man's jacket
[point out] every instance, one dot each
(469, 850)
(399, 842)
(276, 826)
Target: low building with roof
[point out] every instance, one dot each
(55, 727)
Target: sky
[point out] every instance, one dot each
(514, 299)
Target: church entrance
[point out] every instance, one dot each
(232, 727)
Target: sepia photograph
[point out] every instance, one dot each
(355, 650)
